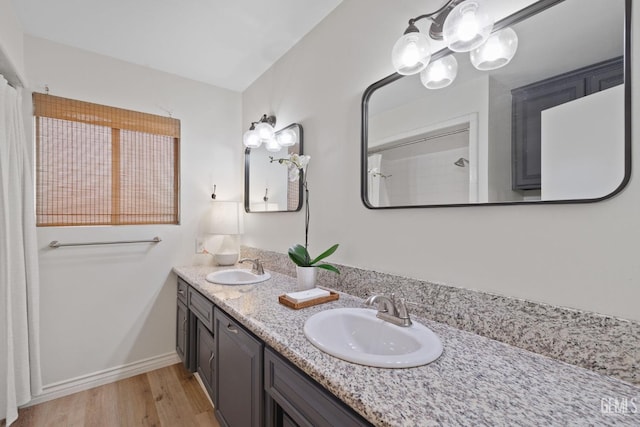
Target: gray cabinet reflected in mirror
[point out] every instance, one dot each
(266, 184)
(553, 125)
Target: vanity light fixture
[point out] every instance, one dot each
(465, 26)
(259, 132)
(262, 132)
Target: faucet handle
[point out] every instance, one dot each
(403, 311)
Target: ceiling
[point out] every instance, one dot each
(226, 43)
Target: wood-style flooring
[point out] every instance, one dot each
(169, 396)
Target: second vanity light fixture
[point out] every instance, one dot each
(262, 132)
(465, 26)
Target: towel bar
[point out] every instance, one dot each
(56, 244)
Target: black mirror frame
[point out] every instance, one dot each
(247, 159)
(525, 13)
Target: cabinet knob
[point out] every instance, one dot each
(180, 291)
(232, 328)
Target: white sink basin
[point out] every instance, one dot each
(236, 277)
(357, 335)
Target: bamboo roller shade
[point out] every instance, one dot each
(100, 165)
(56, 107)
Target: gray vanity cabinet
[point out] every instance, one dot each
(238, 374)
(294, 399)
(529, 102)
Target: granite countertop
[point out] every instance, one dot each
(477, 381)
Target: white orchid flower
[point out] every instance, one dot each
(300, 161)
(294, 174)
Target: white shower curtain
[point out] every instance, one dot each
(19, 289)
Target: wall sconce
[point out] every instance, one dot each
(226, 220)
(465, 26)
(259, 132)
(262, 132)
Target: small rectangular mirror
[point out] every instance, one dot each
(266, 184)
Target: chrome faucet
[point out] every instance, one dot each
(257, 265)
(390, 310)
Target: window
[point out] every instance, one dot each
(99, 165)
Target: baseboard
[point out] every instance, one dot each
(86, 382)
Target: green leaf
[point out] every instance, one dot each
(299, 255)
(328, 267)
(325, 254)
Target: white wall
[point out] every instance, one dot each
(581, 255)
(11, 40)
(432, 111)
(107, 306)
(578, 157)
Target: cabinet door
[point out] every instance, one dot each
(238, 374)
(606, 75)
(528, 104)
(205, 358)
(182, 333)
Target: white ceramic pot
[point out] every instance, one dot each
(306, 277)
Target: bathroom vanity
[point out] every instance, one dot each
(260, 370)
(250, 384)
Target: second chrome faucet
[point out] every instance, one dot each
(257, 265)
(390, 310)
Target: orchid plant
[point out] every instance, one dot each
(297, 166)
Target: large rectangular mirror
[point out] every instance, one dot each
(553, 125)
(266, 184)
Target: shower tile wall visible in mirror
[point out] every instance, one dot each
(604, 344)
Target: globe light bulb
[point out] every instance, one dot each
(286, 138)
(272, 145)
(264, 131)
(440, 73)
(251, 139)
(497, 52)
(467, 26)
(411, 53)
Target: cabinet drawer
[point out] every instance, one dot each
(305, 402)
(202, 308)
(183, 289)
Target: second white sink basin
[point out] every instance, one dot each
(357, 335)
(236, 277)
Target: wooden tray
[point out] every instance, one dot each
(284, 300)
